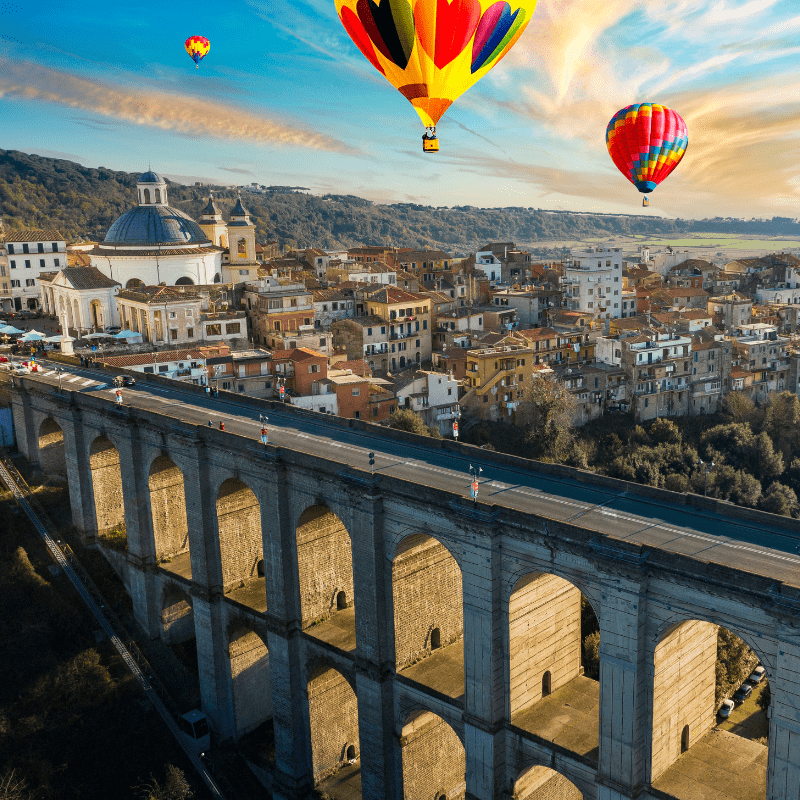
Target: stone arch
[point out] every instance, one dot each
(158, 195)
(109, 503)
(325, 565)
(544, 634)
(684, 709)
(333, 719)
(96, 314)
(184, 281)
(168, 510)
(177, 615)
(250, 677)
(434, 760)
(134, 283)
(427, 594)
(146, 194)
(217, 277)
(543, 783)
(240, 540)
(241, 248)
(52, 459)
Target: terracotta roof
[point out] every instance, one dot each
(390, 294)
(304, 354)
(532, 334)
(139, 359)
(87, 278)
(78, 258)
(191, 251)
(320, 295)
(32, 235)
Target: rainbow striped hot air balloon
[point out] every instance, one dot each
(646, 141)
(197, 47)
(432, 51)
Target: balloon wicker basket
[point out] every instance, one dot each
(645, 202)
(430, 145)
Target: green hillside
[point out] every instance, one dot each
(82, 202)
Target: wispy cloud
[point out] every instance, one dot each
(237, 170)
(169, 111)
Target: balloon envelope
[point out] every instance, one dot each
(646, 141)
(434, 50)
(197, 47)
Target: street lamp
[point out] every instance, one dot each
(475, 472)
(263, 419)
(456, 421)
(60, 373)
(708, 467)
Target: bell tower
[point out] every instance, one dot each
(212, 224)
(241, 237)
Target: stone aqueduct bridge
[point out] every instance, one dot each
(315, 590)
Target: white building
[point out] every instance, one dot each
(786, 291)
(662, 261)
(30, 253)
(433, 396)
(489, 264)
(592, 282)
(82, 298)
(154, 243)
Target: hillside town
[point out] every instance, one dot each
(364, 332)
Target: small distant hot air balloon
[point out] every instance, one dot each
(646, 141)
(433, 51)
(197, 47)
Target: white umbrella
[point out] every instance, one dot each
(10, 329)
(32, 336)
(55, 339)
(126, 334)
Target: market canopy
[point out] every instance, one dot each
(32, 335)
(96, 336)
(10, 329)
(126, 334)
(55, 339)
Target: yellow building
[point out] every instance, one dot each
(409, 318)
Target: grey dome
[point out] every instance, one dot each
(155, 225)
(150, 177)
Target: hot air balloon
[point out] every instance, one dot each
(646, 141)
(433, 51)
(197, 47)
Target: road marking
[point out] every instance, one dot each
(100, 387)
(88, 383)
(76, 378)
(52, 372)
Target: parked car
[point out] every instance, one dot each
(757, 675)
(113, 329)
(127, 380)
(742, 693)
(725, 709)
(20, 370)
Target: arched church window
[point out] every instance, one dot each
(184, 282)
(158, 195)
(241, 247)
(217, 278)
(146, 195)
(134, 283)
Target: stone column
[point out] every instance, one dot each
(381, 765)
(783, 768)
(625, 678)
(293, 759)
(79, 482)
(485, 654)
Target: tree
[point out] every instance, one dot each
(779, 499)
(13, 788)
(548, 408)
(764, 699)
(591, 655)
(782, 422)
(735, 661)
(664, 431)
(175, 787)
(739, 407)
(406, 420)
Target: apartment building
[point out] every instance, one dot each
(762, 351)
(530, 304)
(30, 252)
(433, 396)
(409, 319)
(592, 282)
(711, 369)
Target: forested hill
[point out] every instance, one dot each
(38, 192)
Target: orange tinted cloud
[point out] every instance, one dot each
(169, 111)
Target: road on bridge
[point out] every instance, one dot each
(692, 532)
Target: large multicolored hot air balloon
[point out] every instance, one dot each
(433, 51)
(197, 47)
(646, 141)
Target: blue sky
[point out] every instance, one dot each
(284, 97)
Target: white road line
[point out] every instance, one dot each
(76, 378)
(88, 383)
(52, 372)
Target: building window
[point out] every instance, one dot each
(13, 264)
(190, 333)
(189, 312)
(163, 368)
(15, 284)
(356, 392)
(57, 262)
(41, 263)
(226, 384)
(313, 367)
(30, 282)
(25, 248)
(214, 330)
(369, 331)
(233, 327)
(424, 324)
(55, 248)
(10, 249)
(173, 315)
(322, 342)
(173, 333)
(27, 263)
(356, 415)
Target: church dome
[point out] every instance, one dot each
(150, 177)
(153, 225)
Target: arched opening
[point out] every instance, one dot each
(427, 594)
(184, 281)
(402, 361)
(250, 678)
(341, 601)
(158, 195)
(350, 754)
(432, 753)
(109, 505)
(552, 692)
(260, 568)
(223, 240)
(96, 315)
(146, 196)
(333, 718)
(76, 316)
(709, 708)
(177, 616)
(325, 564)
(436, 639)
(543, 783)
(241, 248)
(52, 459)
(168, 510)
(217, 277)
(134, 283)
(241, 544)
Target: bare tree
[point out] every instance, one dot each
(175, 787)
(13, 788)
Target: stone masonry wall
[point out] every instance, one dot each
(434, 763)
(177, 617)
(252, 702)
(541, 783)
(544, 634)
(168, 507)
(107, 485)
(325, 563)
(241, 545)
(333, 716)
(683, 689)
(52, 459)
(426, 587)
